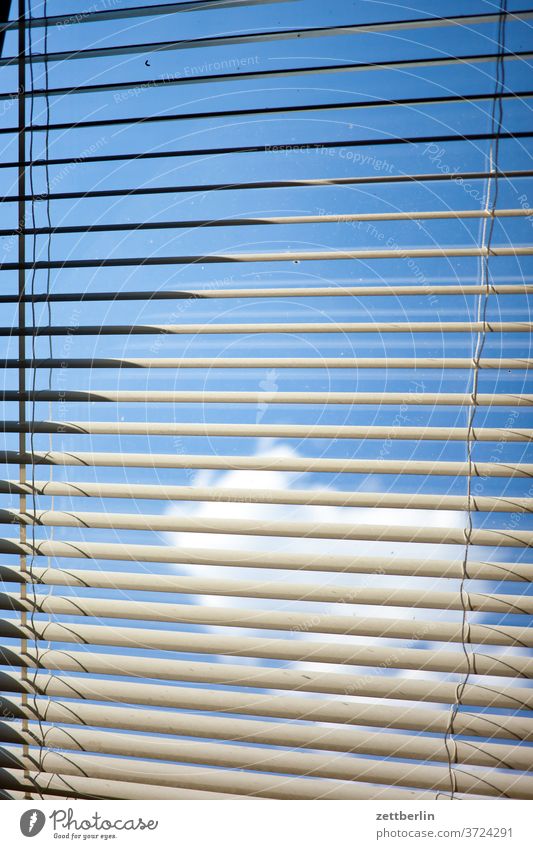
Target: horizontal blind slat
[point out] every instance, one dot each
(344, 593)
(198, 777)
(270, 619)
(345, 740)
(54, 785)
(498, 571)
(490, 782)
(346, 712)
(243, 76)
(478, 663)
(282, 256)
(327, 498)
(338, 291)
(256, 527)
(517, 698)
(385, 432)
(258, 463)
(268, 362)
(265, 327)
(273, 35)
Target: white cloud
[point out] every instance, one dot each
(271, 512)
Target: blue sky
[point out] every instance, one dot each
(368, 160)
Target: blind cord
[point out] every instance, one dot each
(36, 707)
(482, 308)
